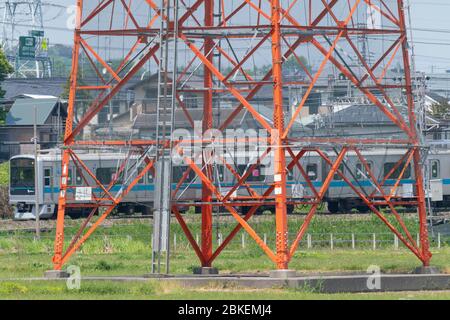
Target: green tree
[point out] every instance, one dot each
(440, 110)
(293, 64)
(82, 99)
(5, 69)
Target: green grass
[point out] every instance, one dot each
(152, 290)
(123, 248)
(4, 174)
(19, 265)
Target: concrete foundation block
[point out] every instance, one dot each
(283, 274)
(56, 274)
(427, 270)
(205, 271)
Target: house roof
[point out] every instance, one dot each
(35, 96)
(194, 82)
(20, 87)
(22, 111)
(359, 114)
(437, 98)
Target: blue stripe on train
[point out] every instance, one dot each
(317, 184)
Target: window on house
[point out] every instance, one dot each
(190, 101)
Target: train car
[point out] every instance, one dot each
(104, 165)
(339, 197)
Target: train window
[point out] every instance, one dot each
(290, 174)
(150, 177)
(257, 174)
(311, 171)
(337, 176)
(47, 177)
(78, 177)
(141, 180)
(178, 172)
(105, 175)
(69, 177)
(22, 177)
(361, 171)
(435, 169)
(396, 174)
(219, 171)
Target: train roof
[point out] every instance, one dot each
(55, 155)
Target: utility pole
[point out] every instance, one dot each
(36, 177)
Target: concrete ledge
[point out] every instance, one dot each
(56, 274)
(318, 283)
(327, 284)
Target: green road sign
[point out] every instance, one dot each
(37, 33)
(27, 47)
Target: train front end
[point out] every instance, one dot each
(22, 190)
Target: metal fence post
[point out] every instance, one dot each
(439, 240)
(374, 241)
(174, 241)
(243, 240)
(219, 239)
(353, 241)
(265, 238)
(309, 241)
(331, 241)
(395, 242)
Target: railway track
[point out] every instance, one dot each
(9, 225)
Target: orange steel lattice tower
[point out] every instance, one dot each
(221, 41)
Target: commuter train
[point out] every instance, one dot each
(339, 198)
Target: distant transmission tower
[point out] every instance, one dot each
(23, 38)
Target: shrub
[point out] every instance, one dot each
(4, 174)
(6, 211)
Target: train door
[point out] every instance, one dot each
(48, 181)
(436, 185)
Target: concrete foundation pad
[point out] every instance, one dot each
(427, 270)
(283, 274)
(56, 274)
(205, 271)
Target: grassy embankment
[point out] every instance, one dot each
(123, 248)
